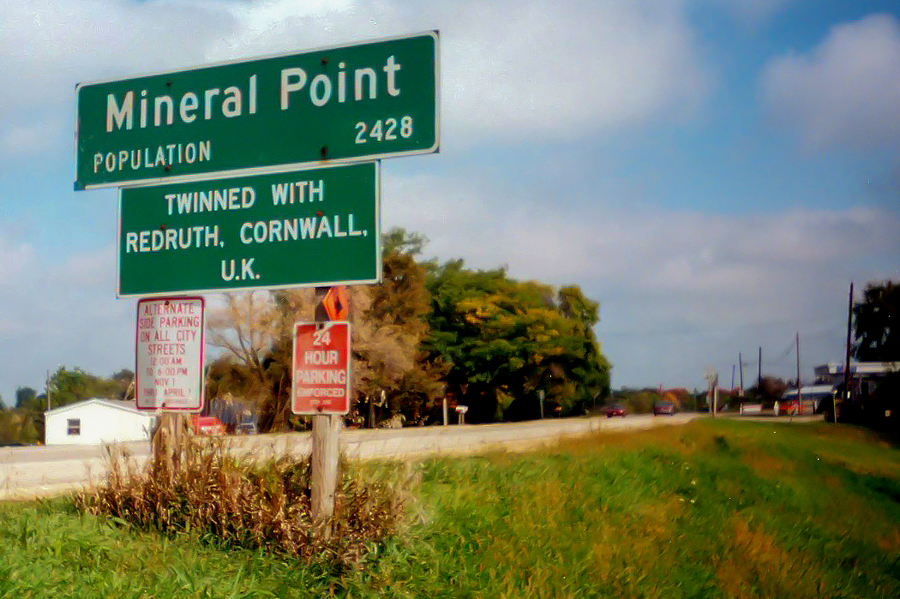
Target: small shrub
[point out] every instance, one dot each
(722, 443)
(245, 504)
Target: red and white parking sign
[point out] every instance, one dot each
(169, 348)
(321, 373)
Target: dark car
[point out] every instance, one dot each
(663, 408)
(616, 409)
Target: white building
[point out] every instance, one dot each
(834, 371)
(95, 421)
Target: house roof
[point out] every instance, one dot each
(810, 390)
(858, 368)
(128, 406)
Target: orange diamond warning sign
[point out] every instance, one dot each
(321, 368)
(335, 302)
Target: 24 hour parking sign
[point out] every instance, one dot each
(321, 368)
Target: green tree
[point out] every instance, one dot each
(68, 386)
(588, 367)
(387, 324)
(247, 328)
(877, 339)
(244, 328)
(402, 242)
(27, 398)
(403, 300)
(426, 331)
(876, 318)
(20, 426)
(510, 341)
(117, 385)
(769, 389)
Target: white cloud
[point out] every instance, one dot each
(844, 91)
(512, 71)
(15, 259)
(656, 250)
(60, 314)
(32, 138)
(521, 72)
(48, 46)
(91, 268)
(677, 288)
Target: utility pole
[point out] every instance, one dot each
(847, 361)
(799, 395)
(741, 369)
(711, 396)
(48, 390)
(759, 376)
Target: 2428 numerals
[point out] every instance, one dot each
(384, 130)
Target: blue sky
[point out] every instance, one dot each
(714, 172)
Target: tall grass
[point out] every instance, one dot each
(712, 509)
(202, 491)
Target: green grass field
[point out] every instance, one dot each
(712, 509)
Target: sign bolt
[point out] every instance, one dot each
(324, 151)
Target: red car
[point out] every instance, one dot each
(207, 425)
(787, 406)
(663, 407)
(615, 410)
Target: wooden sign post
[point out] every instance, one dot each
(321, 389)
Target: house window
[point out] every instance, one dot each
(73, 427)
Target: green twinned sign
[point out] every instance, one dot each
(275, 230)
(348, 103)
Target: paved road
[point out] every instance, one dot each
(35, 471)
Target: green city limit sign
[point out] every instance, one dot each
(275, 230)
(354, 102)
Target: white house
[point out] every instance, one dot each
(95, 421)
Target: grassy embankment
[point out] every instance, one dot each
(713, 509)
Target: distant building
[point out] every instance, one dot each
(864, 403)
(834, 371)
(96, 421)
(813, 396)
(863, 375)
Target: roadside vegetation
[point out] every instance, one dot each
(712, 509)
(506, 349)
(196, 487)
(641, 401)
(23, 422)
